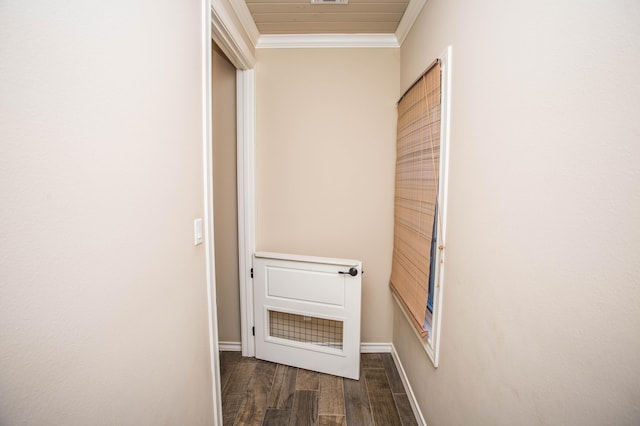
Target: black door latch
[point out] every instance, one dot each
(352, 271)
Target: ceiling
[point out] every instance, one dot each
(302, 17)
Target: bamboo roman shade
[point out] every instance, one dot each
(416, 191)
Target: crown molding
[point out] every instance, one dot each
(306, 41)
(408, 19)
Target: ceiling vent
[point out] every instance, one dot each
(329, 1)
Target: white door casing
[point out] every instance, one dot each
(307, 312)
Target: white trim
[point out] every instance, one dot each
(408, 19)
(245, 86)
(228, 37)
(309, 41)
(407, 387)
(230, 346)
(246, 20)
(376, 348)
(365, 348)
(445, 139)
(207, 169)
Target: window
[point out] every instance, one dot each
(420, 201)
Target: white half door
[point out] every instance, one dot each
(307, 312)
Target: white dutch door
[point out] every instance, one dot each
(307, 312)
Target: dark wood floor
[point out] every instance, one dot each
(262, 393)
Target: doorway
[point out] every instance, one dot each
(224, 134)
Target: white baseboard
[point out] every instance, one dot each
(230, 346)
(407, 386)
(365, 348)
(376, 348)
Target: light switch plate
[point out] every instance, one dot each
(197, 231)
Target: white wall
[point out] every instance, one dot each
(103, 302)
(325, 158)
(541, 316)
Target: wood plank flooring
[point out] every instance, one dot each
(256, 392)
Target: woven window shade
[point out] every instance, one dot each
(416, 190)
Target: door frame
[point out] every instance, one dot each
(230, 33)
(245, 116)
(207, 151)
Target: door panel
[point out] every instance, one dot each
(307, 312)
(310, 286)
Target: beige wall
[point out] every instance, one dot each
(541, 317)
(225, 198)
(103, 301)
(325, 153)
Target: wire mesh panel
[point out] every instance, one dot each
(306, 329)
